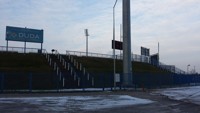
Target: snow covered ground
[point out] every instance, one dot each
(71, 103)
(187, 94)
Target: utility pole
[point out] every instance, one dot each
(158, 54)
(121, 38)
(127, 63)
(114, 58)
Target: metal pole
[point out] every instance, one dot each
(114, 70)
(86, 34)
(158, 53)
(7, 46)
(25, 47)
(86, 45)
(41, 47)
(127, 64)
(188, 68)
(121, 38)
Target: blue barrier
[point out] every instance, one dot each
(51, 81)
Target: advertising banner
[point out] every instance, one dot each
(24, 34)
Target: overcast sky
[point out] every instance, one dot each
(175, 24)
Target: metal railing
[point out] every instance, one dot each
(171, 68)
(134, 57)
(20, 49)
(79, 67)
(78, 53)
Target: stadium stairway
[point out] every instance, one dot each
(70, 74)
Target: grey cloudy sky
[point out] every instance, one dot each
(175, 24)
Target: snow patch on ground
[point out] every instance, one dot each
(188, 94)
(76, 102)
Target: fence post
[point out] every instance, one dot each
(83, 71)
(93, 81)
(77, 65)
(63, 82)
(58, 55)
(65, 65)
(88, 76)
(57, 83)
(30, 82)
(69, 57)
(111, 77)
(50, 62)
(68, 66)
(60, 75)
(2, 83)
(103, 79)
(75, 76)
(48, 58)
(78, 81)
(80, 67)
(83, 82)
(71, 70)
(57, 71)
(54, 65)
(74, 62)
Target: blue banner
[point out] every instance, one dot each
(24, 34)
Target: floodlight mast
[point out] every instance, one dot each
(86, 34)
(127, 64)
